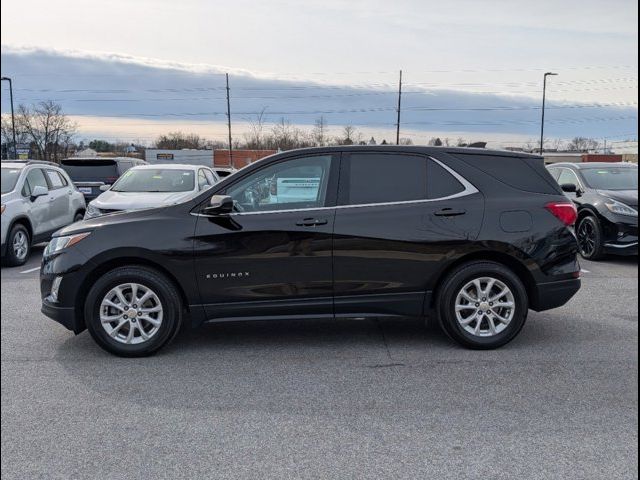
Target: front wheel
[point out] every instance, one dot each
(590, 239)
(482, 305)
(18, 246)
(133, 311)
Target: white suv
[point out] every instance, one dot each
(38, 198)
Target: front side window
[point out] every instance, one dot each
(35, 178)
(155, 180)
(567, 177)
(291, 184)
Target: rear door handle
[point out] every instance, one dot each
(449, 212)
(312, 222)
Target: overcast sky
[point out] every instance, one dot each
(455, 55)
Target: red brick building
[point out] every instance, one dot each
(241, 158)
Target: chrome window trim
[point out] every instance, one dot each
(469, 189)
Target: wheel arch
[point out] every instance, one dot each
(516, 265)
(126, 261)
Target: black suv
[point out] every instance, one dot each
(474, 238)
(606, 195)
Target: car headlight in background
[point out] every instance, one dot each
(620, 208)
(92, 211)
(60, 243)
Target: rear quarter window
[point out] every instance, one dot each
(522, 173)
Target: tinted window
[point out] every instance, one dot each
(612, 178)
(9, 178)
(34, 179)
(440, 183)
(382, 178)
(296, 183)
(524, 173)
(54, 179)
(91, 170)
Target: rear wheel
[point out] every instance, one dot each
(133, 311)
(18, 246)
(482, 305)
(590, 240)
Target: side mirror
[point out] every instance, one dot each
(38, 191)
(104, 188)
(219, 205)
(569, 188)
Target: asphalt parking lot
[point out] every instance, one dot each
(323, 399)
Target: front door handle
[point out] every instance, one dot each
(449, 212)
(312, 222)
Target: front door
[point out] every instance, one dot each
(399, 216)
(273, 255)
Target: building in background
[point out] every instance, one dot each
(577, 157)
(241, 158)
(186, 156)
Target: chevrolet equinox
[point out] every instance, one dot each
(473, 238)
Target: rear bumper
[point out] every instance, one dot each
(554, 294)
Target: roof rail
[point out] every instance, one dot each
(30, 162)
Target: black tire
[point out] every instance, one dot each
(454, 283)
(78, 217)
(590, 238)
(12, 257)
(151, 279)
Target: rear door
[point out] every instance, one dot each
(399, 215)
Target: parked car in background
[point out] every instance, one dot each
(89, 174)
(38, 198)
(606, 195)
(223, 172)
(471, 238)
(148, 186)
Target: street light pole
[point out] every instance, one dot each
(544, 92)
(13, 118)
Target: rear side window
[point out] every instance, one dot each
(522, 173)
(440, 183)
(382, 178)
(55, 180)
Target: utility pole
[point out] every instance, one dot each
(399, 104)
(544, 92)
(13, 118)
(229, 123)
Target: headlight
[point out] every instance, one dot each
(60, 243)
(92, 211)
(620, 208)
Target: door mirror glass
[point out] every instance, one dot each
(569, 187)
(219, 205)
(104, 188)
(38, 191)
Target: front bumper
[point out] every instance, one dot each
(65, 316)
(554, 294)
(623, 241)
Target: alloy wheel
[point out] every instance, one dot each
(20, 245)
(485, 306)
(131, 313)
(587, 238)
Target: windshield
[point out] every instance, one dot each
(155, 180)
(9, 178)
(612, 178)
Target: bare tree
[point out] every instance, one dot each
(180, 140)
(6, 134)
(435, 142)
(47, 129)
(319, 132)
(583, 144)
(254, 138)
(406, 141)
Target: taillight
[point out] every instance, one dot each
(566, 212)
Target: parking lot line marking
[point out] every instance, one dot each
(31, 270)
